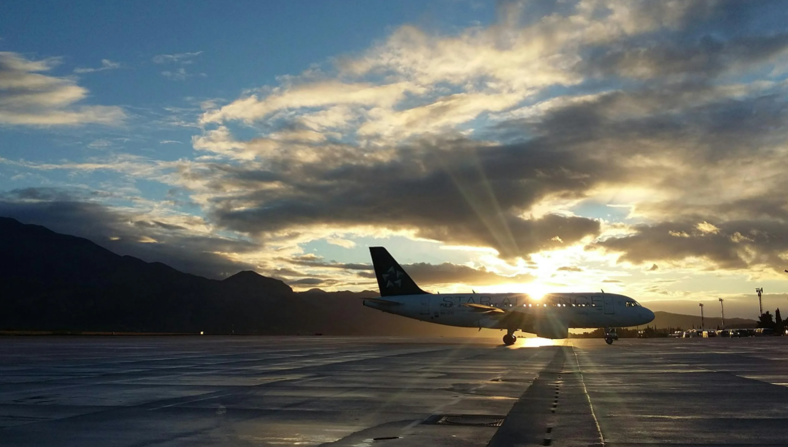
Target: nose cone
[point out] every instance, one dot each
(648, 316)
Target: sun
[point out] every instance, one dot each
(535, 290)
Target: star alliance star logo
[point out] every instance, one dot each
(392, 277)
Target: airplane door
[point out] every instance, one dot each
(424, 309)
(609, 305)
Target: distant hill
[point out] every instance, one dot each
(56, 282)
(50, 281)
(671, 320)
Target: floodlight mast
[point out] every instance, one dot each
(759, 290)
(702, 324)
(722, 309)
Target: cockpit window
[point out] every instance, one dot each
(633, 304)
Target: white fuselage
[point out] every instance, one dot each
(521, 312)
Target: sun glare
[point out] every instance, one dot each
(533, 290)
(536, 291)
(534, 342)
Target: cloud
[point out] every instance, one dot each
(181, 59)
(735, 244)
(129, 165)
(28, 97)
(180, 74)
(680, 60)
(310, 95)
(472, 197)
(318, 262)
(447, 273)
(106, 64)
(705, 227)
(100, 144)
(314, 282)
(177, 58)
(422, 273)
(417, 82)
(344, 243)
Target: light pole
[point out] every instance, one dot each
(722, 309)
(702, 325)
(760, 302)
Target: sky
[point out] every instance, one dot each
(636, 147)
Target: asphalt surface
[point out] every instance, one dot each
(257, 391)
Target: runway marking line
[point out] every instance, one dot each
(588, 397)
(185, 403)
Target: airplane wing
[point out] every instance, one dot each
(547, 326)
(481, 308)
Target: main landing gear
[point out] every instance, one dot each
(509, 338)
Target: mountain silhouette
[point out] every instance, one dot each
(51, 281)
(55, 282)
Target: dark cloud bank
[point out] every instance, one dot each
(114, 230)
(422, 273)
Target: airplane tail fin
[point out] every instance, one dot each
(392, 279)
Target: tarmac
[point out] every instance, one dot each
(368, 392)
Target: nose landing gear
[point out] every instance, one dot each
(509, 338)
(610, 335)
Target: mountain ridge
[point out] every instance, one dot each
(56, 282)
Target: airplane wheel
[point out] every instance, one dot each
(509, 339)
(609, 340)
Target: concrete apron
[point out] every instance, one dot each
(554, 410)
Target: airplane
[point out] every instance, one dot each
(549, 317)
